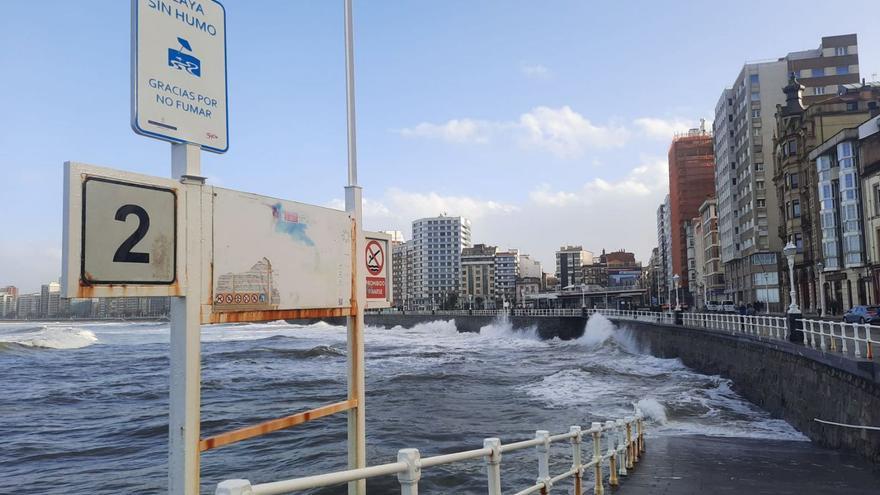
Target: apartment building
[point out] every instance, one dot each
(818, 196)
(569, 265)
(477, 289)
(436, 258)
(744, 125)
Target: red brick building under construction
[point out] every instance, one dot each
(691, 181)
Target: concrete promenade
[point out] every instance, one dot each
(691, 465)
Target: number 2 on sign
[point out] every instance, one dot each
(123, 252)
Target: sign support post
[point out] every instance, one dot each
(357, 454)
(185, 377)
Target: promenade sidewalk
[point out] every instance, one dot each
(691, 465)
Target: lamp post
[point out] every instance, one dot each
(675, 280)
(821, 269)
(789, 251)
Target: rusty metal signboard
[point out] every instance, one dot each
(378, 273)
(275, 258)
(120, 233)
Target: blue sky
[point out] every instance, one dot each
(547, 123)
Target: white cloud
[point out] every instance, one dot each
(648, 179)
(535, 71)
(454, 131)
(561, 131)
(601, 213)
(656, 128)
(566, 133)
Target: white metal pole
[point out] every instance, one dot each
(185, 379)
(357, 452)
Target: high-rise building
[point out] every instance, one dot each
(655, 277)
(50, 299)
(691, 182)
(506, 273)
(743, 128)
(569, 265)
(436, 252)
(8, 304)
(28, 306)
(664, 273)
(695, 262)
(478, 277)
(402, 274)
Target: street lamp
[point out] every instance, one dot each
(821, 269)
(789, 251)
(676, 279)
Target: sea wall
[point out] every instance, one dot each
(547, 328)
(789, 381)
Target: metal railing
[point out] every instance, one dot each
(610, 313)
(616, 445)
(846, 338)
(763, 326)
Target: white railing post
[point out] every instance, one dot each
(611, 443)
(409, 479)
(234, 487)
(856, 339)
(543, 450)
(493, 464)
(599, 487)
(576, 460)
(621, 447)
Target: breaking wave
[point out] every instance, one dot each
(47, 337)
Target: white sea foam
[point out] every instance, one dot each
(653, 410)
(501, 328)
(52, 337)
(598, 330)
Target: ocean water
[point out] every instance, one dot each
(83, 406)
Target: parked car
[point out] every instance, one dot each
(862, 314)
(728, 307)
(713, 306)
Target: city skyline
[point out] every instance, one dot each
(553, 130)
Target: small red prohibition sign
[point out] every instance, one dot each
(375, 257)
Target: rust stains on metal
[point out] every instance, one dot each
(87, 291)
(279, 314)
(274, 425)
(354, 265)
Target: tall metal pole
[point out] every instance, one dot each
(357, 452)
(185, 379)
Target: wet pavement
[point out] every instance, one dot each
(700, 465)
